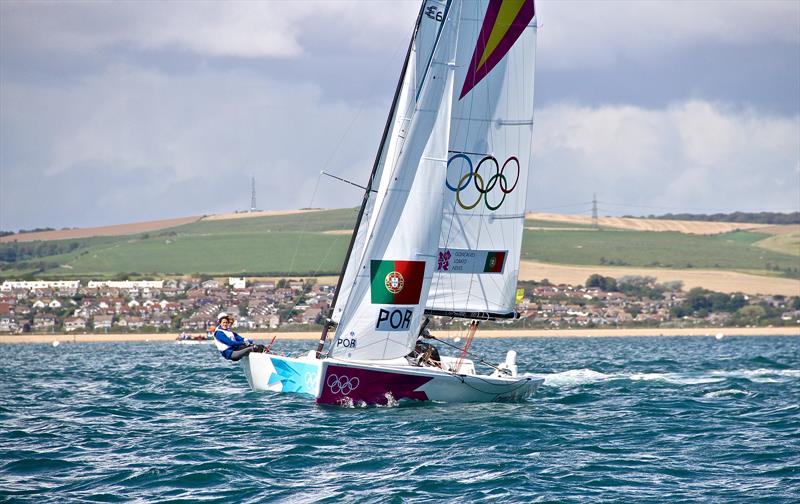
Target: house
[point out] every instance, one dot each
(309, 316)
(8, 323)
(44, 322)
(237, 282)
(131, 322)
(103, 321)
(74, 324)
(159, 320)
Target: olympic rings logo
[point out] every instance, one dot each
(497, 180)
(343, 384)
(311, 380)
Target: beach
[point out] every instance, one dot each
(528, 333)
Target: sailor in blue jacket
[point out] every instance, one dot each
(231, 345)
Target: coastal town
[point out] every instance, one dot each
(189, 305)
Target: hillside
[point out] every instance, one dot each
(314, 243)
(688, 227)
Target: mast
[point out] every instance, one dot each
(387, 127)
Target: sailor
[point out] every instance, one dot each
(231, 345)
(424, 354)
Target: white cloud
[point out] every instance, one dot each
(579, 33)
(123, 137)
(691, 155)
(233, 28)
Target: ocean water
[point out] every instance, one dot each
(688, 419)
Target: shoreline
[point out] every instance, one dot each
(529, 333)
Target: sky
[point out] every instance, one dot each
(117, 112)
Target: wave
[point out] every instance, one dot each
(576, 377)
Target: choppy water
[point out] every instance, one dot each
(618, 419)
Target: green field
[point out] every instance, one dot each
(730, 251)
(298, 244)
(536, 223)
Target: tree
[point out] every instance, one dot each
(751, 313)
(606, 284)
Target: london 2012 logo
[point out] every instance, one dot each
(341, 384)
(491, 188)
(394, 282)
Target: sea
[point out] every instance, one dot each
(651, 419)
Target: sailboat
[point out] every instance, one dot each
(439, 231)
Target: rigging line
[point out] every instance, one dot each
(323, 172)
(360, 109)
(304, 226)
(474, 356)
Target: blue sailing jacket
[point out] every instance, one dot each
(227, 341)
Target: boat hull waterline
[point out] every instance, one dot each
(331, 381)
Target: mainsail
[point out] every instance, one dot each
(489, 153)
(381, 316)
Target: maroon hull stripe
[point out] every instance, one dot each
(342, 384)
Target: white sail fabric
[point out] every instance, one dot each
(488, 161)
(411, 80)
(404, 233)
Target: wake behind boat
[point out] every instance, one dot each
(439, 231)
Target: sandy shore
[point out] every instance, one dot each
(538, 333)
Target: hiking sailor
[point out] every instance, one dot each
(232, 346)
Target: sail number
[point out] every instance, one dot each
(434, 13)
(394, 320)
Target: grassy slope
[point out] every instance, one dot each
(296, 244)
(640, 248)
(785, 244)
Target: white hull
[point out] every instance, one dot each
(332, 381)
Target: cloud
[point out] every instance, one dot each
(691, 156)
(580, 33)
(247, 29)
(132, 143)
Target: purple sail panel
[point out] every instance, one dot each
(504, 22)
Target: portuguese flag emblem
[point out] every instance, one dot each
(494, 262)
(396, 282)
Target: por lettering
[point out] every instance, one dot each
(394, 320)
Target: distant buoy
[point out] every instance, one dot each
(56, 343)
(719, 336)
(456, 339)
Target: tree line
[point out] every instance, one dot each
(774, 218)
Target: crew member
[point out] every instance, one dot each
(231, 345)
(424, 354)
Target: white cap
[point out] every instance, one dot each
(222, 315)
